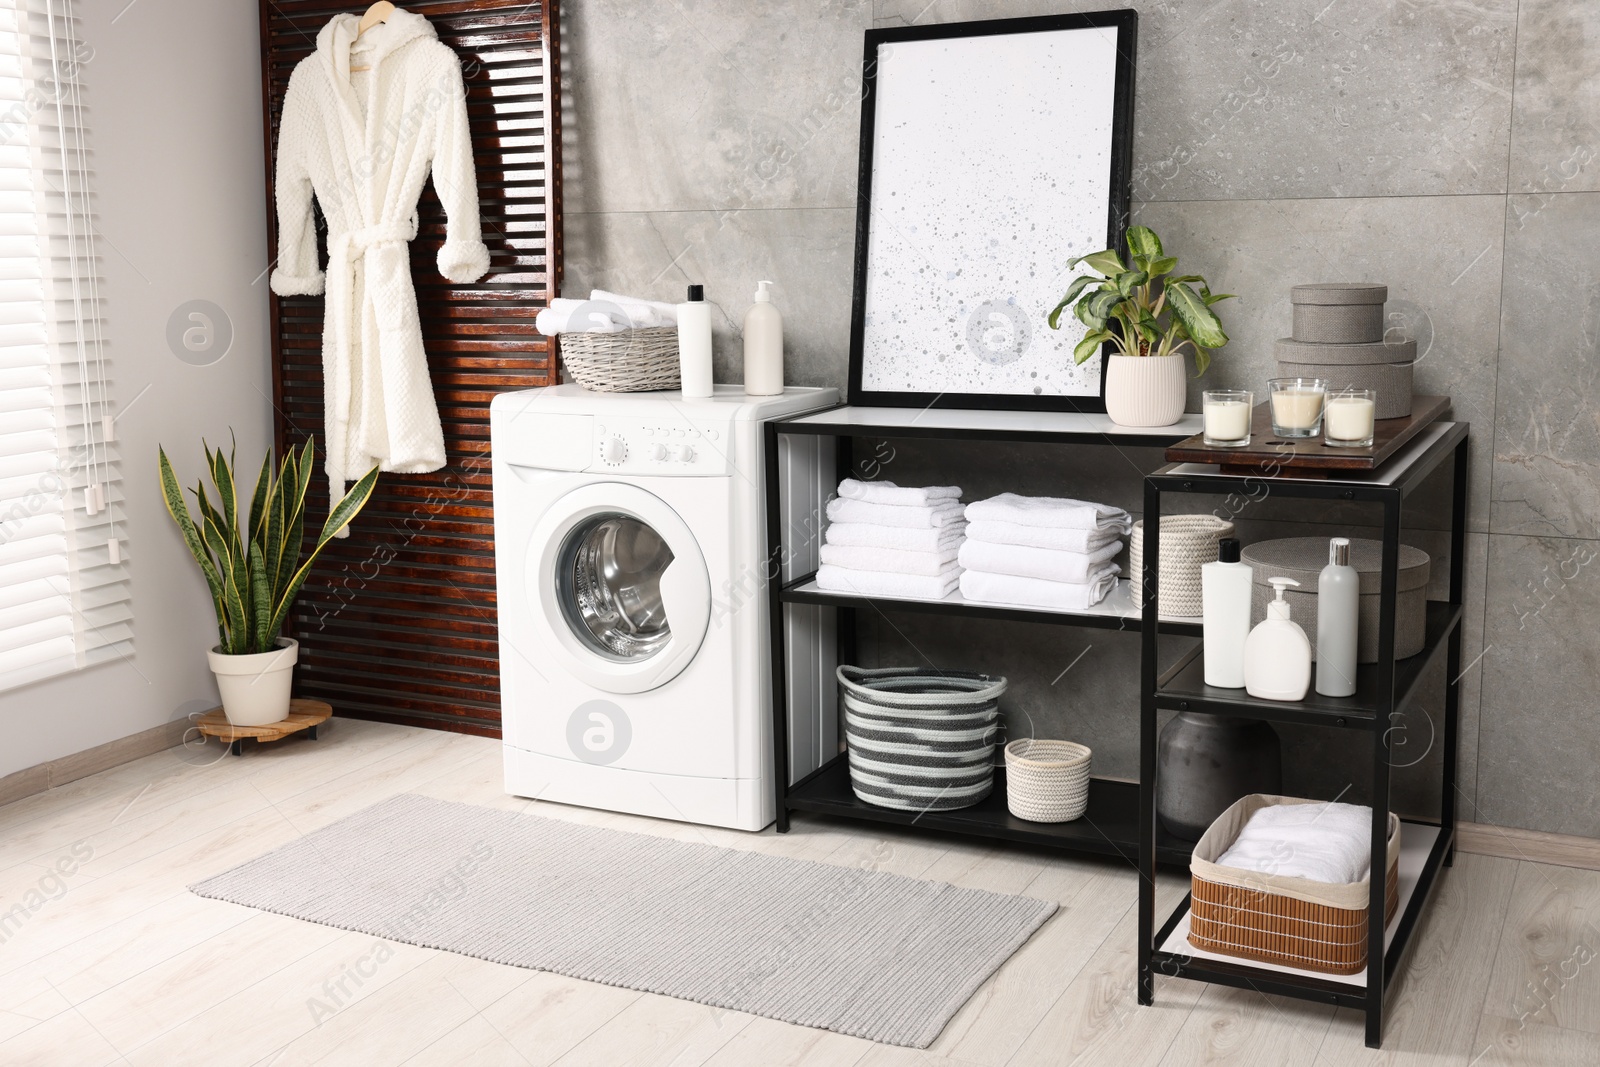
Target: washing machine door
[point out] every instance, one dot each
(619, 586)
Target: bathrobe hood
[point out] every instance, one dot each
(363, 146)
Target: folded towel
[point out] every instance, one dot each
(580, 316)
(889, 493)
(892, 560)
(983, 587)
(1045, 563)
(876, 583)
(944, 513)
(1057, 512)
(641, 312)
(1323, 842)
(1013, 533)
(869, 535)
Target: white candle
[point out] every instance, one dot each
(1350, 418)
(1227, 420)
(1296, 409)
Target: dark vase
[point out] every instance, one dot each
(1206, 762)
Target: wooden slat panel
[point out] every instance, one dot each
(398, 622)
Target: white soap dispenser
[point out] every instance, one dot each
(763, 346)
(1277, 656)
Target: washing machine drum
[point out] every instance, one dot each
(620, 587)
(609, 580)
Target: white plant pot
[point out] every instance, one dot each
(256, 688)
(1145, 390)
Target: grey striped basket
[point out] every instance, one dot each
(919, 739)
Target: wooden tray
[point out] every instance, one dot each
(1268, 454)
(303, 715)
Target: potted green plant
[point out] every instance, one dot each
(1150, 316)
(252, 567)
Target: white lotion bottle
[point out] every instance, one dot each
(694, 344)
(1338, 615)
(1277, 657)
(1225, 589)
(763, 345)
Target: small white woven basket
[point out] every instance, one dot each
(1187, 542)
(1047, 781)
(633, 361)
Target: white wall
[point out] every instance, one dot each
(174, 97)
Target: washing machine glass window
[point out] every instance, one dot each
(609, 586)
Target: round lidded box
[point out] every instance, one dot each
(1339, 313)
(1302, 558)
(1385, 368)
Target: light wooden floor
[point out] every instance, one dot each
(115, 962)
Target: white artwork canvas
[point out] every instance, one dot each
(991, 169)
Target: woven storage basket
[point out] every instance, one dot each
(1047, 781)
(1187, 542)
(633, 361)
(920, 740)
(1293, 922)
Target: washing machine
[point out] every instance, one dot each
(630, 550)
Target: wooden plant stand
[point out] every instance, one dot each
(304, 715)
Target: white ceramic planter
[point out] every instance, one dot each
(1145, 390)
(256, 688)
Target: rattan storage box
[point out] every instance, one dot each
(1271, 918)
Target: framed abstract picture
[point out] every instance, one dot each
(992, 153)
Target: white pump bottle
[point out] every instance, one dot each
(763, 346)
(1277, 655)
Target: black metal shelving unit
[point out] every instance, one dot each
(1110, 826)
(1383, 689)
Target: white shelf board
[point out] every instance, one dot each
(1118, 604)
(995, 421)
(1416, 842)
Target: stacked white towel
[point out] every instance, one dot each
(1322, 842)
(604, 312)
(885, 539)
(1045, 552)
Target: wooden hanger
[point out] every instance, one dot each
(377, 13)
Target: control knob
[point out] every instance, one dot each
(613, 450)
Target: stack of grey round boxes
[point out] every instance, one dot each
(1339, 337)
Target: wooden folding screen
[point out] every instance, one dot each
(398, 622)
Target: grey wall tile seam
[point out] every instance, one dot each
(604, 212)
(1494, 418)
(1365, 196)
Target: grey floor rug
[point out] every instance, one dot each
(860, 952)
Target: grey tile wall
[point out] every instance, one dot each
(1449, 150)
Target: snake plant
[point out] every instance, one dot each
(252, 566)
(1140, 306)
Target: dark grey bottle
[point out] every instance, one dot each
(1206, 762)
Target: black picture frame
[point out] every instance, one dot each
(1126, 23)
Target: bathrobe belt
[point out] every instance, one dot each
(381, 252)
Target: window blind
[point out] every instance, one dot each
(64, 599)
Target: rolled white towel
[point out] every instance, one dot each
(1058, 512)
(890, 493)
(579, 316)
(1323, 842)
(892, 560)
(983, 587)
(871, 535)
(643, 312)
(1014, 533)
(879, 583)
(944, 513)
(1047, 563)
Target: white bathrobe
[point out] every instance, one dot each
(364, 143)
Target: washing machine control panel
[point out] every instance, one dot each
(660, 446)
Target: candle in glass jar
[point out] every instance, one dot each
(1297, 409)
(1227, 420)
(1350, 418)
